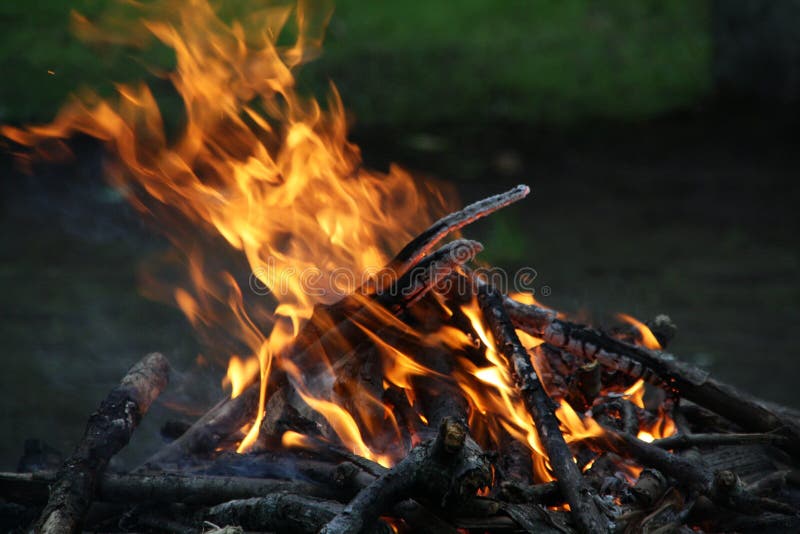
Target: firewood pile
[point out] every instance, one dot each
(604, 431)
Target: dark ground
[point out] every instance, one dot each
(694, 216)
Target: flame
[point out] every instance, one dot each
(240, 374)
(291, 439)
(662, 427)
(498, 408)
(646, 336)
(635, 393)
(257, 165)
(263, 178)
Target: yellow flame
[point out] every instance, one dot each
(240, 374)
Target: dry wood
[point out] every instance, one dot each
(660, 368)
(542, 409)
(445, 471)
(109, 429)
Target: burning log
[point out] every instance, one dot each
(660, 368)
(229, 414)
(446, 470)
(542, 408)
(422, 244)
(109, 429)
(324, 317)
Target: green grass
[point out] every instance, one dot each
(421, 61)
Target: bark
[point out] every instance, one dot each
(109, 429)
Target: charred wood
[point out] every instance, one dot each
(660, 368)
(109, 429)
(722, 487)
(542, 409)
(445, 470)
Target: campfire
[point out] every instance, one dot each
(380, 377)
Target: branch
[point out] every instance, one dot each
(542, 408)
(109, 429)
(446, 470)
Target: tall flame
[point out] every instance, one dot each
(257, 164)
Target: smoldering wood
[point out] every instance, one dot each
(353, 477)
(617, 412)
(514, 461)
(445, 470)
(649, 487)
(722, 487)
(661, 368)
(542, 409)
(108, 430)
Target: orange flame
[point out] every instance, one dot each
(648, 339)
(497, 406)
(256, 164)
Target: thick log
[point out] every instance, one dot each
(660, 368)
(685, 441)
(32, 488)
(109, 429)
(445, 470)
(576, 491)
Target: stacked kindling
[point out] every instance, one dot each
(727, 462)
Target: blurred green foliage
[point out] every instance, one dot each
(419, 61)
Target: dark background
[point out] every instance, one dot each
(657, 136)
